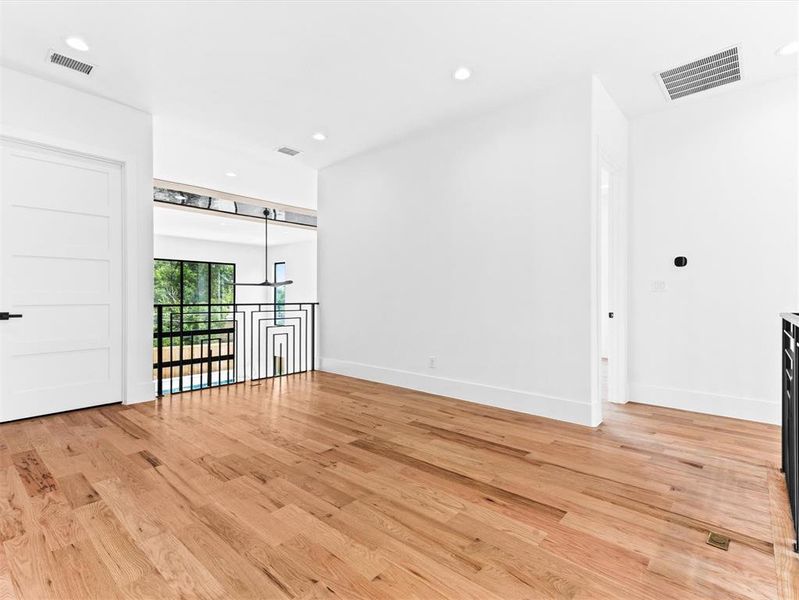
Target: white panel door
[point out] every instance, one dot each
(61, 269)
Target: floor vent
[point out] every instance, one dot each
(722, 542)
(288, 151)
(70, 63)
(703, 74)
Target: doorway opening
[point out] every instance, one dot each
(610, 385)
(605, 309)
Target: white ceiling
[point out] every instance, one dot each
(260, 75)
(215, 227)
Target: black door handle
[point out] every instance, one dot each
(4, 316)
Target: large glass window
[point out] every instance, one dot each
(223, 277)
(280, 292)
(194, 287)
(196, 282)
(232, 207)
(198, 322)
(166, 283)
(189, 282)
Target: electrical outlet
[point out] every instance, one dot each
(431, 362)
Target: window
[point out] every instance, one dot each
(186, 283)
(223, 278)
(197, 201)
(280, 292)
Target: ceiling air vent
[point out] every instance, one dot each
(70, 63)
(703, 74)
(288, 151)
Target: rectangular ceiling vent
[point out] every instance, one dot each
(70, 63)
(703, 74)
(288, 151)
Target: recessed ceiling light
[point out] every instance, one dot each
(77, 43)
(462, 74)
(789, 48)
(319, 136)
(230, 174)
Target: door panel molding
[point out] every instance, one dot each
(104, 180)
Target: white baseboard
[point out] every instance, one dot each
(140, 392)
(540, 405)
(751, 409)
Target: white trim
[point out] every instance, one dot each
(736, 407)
(144, 392)
(531, 403)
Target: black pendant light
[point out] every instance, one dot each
(266, 282)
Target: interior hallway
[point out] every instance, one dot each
(325, 486)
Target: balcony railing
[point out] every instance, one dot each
(208, 345)
(790, 414)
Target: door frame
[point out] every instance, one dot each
(126, 163)
(618, 379)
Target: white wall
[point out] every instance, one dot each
(471, 243)
(35, 109)
(300, 259)
(714, 180)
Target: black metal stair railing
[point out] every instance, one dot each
(208, 345)
(790, 414)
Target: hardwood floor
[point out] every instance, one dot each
(320, 486)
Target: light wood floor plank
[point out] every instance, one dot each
(319, 486)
